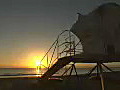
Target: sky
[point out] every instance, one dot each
(29, 27)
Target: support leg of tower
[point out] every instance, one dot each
(107, 67)
(101, 76)
(89, 73)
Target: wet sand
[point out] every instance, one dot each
(111, 82)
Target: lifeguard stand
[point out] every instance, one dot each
(99, 37)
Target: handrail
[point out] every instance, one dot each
(53, 44)
(60, 46)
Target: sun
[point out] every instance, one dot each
(34, 60)
(40, 63)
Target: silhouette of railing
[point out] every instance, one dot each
(66, 44)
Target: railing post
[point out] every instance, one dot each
(70, 41)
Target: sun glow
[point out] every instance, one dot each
(39, 62)
(35, 61)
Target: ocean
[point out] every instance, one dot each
(28, 72)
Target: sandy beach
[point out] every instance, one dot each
(111, 81)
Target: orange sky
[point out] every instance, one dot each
(27, 60)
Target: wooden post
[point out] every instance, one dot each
(101, 76)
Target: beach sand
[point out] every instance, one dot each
(111, 82)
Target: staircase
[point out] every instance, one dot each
(65, 46)
(56, 67)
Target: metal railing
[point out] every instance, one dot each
(66, 44)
